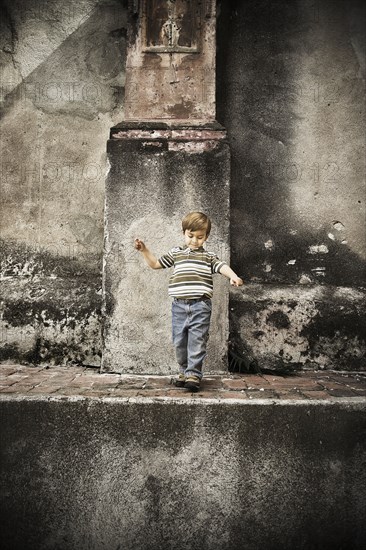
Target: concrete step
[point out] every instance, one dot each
(95, 462)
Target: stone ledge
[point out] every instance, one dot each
(92, 473)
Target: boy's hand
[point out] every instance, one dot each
(139, 245)
(236, 281)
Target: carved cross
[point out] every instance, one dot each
(172, 25)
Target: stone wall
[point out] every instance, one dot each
(290, 92)
(62, 87)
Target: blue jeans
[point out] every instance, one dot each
(191, 323)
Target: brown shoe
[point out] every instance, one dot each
(180, 381)
(192, 383)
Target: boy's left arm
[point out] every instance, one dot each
(230, 274)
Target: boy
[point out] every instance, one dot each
(191, 288)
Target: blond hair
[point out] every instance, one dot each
(196, 221)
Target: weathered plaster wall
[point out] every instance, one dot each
(62, 83)
(109, 474)
(290, 92)
(291, 81)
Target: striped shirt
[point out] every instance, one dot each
(193, 270)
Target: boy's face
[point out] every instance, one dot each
(195, 239)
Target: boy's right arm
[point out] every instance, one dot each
(149, 257)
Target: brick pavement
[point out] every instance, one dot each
(20, 380)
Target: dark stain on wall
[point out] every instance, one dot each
(51, 307)
(325, 330)
(27, 261)
(278, 319)
(338, 334)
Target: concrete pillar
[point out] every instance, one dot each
(167, 158)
